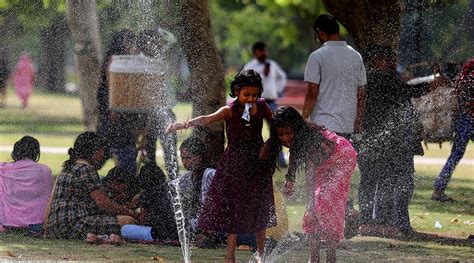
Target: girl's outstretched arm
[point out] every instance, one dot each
(221, 114)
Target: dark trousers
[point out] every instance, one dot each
(464, 130)
(386, 187)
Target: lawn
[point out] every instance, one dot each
(55, 120)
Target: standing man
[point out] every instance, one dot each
(273, 79)
(336, 77)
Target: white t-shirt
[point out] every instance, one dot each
(339, 71)
(274, 83)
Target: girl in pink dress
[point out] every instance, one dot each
(328, 161)
(23, 79)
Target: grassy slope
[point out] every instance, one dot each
(55, 121)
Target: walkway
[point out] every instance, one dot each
(418, 159)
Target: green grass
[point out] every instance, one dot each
(55, 120)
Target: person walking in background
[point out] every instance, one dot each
(161, 45)
(121, 129)
(25, 187)
(463, 129)
(273, 79)
(336, 77)
(23, 79)
(389, 143)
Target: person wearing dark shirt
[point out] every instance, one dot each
(120, 128)
(389, 142)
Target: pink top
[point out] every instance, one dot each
(329, 183)
(23, 77)
(25, 187)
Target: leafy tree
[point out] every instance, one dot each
(190, 21)
(82, 19)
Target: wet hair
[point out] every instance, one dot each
(26, 148)
(326, 23)
(194, 146)
(120, 175)
(246, 78)
(307, 136)
(117, 175)
(258, 46)
(120, 44)
(150, 41)
(151, 176)
(86, 144)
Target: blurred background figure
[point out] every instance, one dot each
(161, 44)
(119, 128)
(4, 73)
(23, 79)
(463, 129)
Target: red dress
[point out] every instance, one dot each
(330, 183)
(240, 198)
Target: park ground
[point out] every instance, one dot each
(55, 120)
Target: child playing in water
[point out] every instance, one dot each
(328, 161)
(239, 170)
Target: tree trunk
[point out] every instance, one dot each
(82, 20)
(190, 21)
(368, 21)
(54, 47)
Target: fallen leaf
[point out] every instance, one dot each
(10, 254)
(454, 220)
(159, 259)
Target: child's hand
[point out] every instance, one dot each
(177, 126)
(289, 188)
(171, 128)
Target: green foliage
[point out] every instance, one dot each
(285, 26)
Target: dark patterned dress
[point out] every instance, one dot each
(240, 198)
(73, 212)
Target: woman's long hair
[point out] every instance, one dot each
(307, 137)
(86, 144)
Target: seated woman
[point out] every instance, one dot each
(155, 202)
(194, 183)
(80, 207)
(26, 186)
(122, 186)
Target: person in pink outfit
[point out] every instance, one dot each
(23, 79)
(25, 186)
(328, 161)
